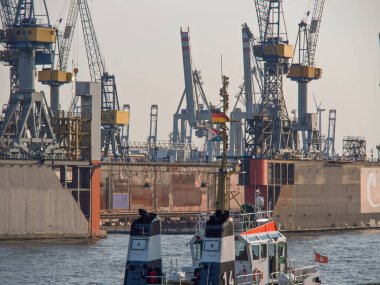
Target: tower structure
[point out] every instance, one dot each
(329, 147)
(112, 118)
(269, 132)
(354, 148)
(303, 72)
(250, 90)
(26, 129)
(56, 76)
(196, 115)
(9, 57)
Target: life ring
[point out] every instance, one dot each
(257, 275)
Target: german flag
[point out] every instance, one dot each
(219, 117)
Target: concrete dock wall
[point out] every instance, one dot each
(324, 195)
(33, 204)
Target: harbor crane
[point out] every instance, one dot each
(8, 57)
(303, 72)
(197, 113)
(26, 128)
(329, 148)
(112, 118)
(269, 132)
(249, 90)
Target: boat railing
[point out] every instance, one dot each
(160, 280)
(249, 279)
(302, 273)
(242, 221)
(295, 275)
(246, 221)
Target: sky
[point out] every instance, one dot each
(140, 42)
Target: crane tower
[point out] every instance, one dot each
(197, 113)
(270, 128)
(26, 128)
(304, 72)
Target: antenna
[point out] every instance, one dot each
(221, 66)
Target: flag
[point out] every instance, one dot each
(213, 135)
(320, 258)
(219, 117)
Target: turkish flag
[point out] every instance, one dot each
(320, 258)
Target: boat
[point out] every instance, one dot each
(243, 248)
(227, 250)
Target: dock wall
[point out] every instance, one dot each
(161, 187)
(325, 195)
(33, 204)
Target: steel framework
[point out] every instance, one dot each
(304, 72)
(269, 133)
(354, 148)
(26, 128)
(329, 148)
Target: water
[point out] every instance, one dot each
(354, 258)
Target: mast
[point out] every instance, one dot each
(222, 202)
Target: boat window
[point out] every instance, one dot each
(253, 238)
(281, 250)
(263, 251)
(212, 245)
(271, 251)
(255, 251)
(197, 249)
(275, 235)
(240, 251)
(138, 244)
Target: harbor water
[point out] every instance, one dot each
(354, 258)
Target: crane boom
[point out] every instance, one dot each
(188, 75)
(98, 73)
(314, 30)
(262, 17)
(8, 12)
(67, 37)
(94, 57)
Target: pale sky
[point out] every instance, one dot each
(140, 41)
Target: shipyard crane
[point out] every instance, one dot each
(303, 72)
(197, 113)
(113, 119)
(329, 147)
(125, 129)
(251, 87)
(26, 129)
(152, 139)
(269, 132)
(55, 78)
(9, 57)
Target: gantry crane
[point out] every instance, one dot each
(269, 132)
(9, 57)
(197, 114)
(26, 129)
(153, 127)
(249, 90)
(329, 148)
(303, 72)
(113, 119)
(55, 78)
